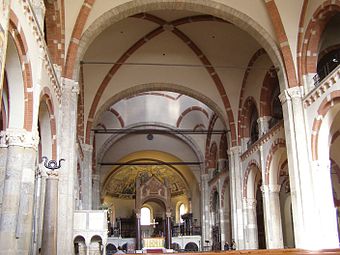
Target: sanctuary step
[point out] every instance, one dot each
(269, 252)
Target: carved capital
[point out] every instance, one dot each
(291, 93)
(19, 137)
(52, 173)
(270, 188)
(249, 203)
(236, 150)
(69, 85)
(87, 147)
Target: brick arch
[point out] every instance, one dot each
(277, 144)
(118, 116)
(223, 147)
(54, 24)
(45, 96)
(325, 106)
(22, 48)
(312, 37)
(212, 122)
(152, 87)
(189, 43)
(199, 127)
(283, 42)
(125, 10)
(212, 159)
(188, 110)
(268, 86)
(245, 116)
(252, 61)
(252, 163)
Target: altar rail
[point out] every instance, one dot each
(269, 252)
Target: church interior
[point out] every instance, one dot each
(161, 126)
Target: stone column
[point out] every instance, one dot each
(236, 196)
(95, 191)
(17, 210)
(138, 233)
(49, 237)
(206, 228)
(272, 219)
(168, 230)
(3, 159)
(67, 172)
(324, 206)
(86, 176)
(303, 202)
(39, 207)
(251, 234)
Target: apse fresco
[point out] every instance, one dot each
(121, 184)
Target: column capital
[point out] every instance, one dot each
(19, 137)
(87, 147)
(70, 85)
(235, 150)
(271, 188)
(168, 214)
(291, 93)
(249, 203)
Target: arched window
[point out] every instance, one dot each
(181, 212)
(145, 216)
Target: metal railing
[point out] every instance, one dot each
(325, 70)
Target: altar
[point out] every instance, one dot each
(153, 244)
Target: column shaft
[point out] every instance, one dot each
(49, 237)
(236, 196)
(168, 231)
(303, 202)
(18, 186)
(251, 234)
(87, 177)
(273, 223)
(67, 172)
(138, 233)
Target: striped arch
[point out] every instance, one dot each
(46, 97)
(310, 43)
(277, 144)
(118, 116)
(332, 99)
(22, 48)
(249, 103)
(268, 86)
(252, 61)
(252, 163)
(188, 110)
(212, 122)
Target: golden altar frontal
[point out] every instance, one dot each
(153, 242)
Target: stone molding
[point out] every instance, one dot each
(19, 137)
(320, 90)
(262, 140)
